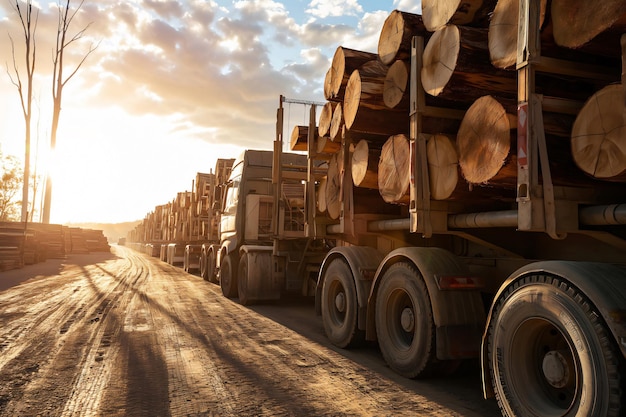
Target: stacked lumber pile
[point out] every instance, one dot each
(26, 244)
(470, 84)
(52, 238)
(81, 240)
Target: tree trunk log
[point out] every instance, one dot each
(364, 110)
(299, 141)
(394, 170)
(328, 93)
(503, 31)
(326, 116)
(345, 61)
(502, 36)
(365, 166)
(396, 34)
(484, 142)
(443, 166)
(599, 135)
(457, 67)
(395, 92)
(336, 124)
(576, 22)
(439, 13)
(326, 146)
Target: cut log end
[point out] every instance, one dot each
(396, 82)
(365, 166)
(437, 13)
(394, 168)
(503, 34)
(440, 56)
(443, 166)
(598, 145)
(483, 140)
(576, 22)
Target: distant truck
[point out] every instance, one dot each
(263, 250)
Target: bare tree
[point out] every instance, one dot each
(63, 41)
(29, 27)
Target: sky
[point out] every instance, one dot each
(170, 87)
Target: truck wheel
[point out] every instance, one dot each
(228, 278)
(404, 322)
(242, 287)
(550, 353)
(340, 306)
(211, 273)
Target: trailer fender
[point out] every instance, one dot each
(228, 246)
(603, 284)
(458, 314)
(363, 262)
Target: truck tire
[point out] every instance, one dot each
(550, 353)
(242, 282)
(340, 306)
(404, 322)
(210, 269)
(228, 277)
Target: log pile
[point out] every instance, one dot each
(468, 74)
(26, 244)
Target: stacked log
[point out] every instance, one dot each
(443, 167)
(365, 165)
(456, 66)
(394, 43)
(394, 170)
(484, 144)
(299, 141)
(577, 22)
(396, 85)
(326, 115)
(598, 135)
(363, 107)
(439, 13)
(468, 75)
(345, 61)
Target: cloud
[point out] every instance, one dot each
(325, 8)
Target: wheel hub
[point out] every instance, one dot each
(340, 302)
(556, 369)
(407, 320)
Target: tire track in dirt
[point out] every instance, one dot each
(104, 354)
(283, 372)
(196, 387)
(64, 356)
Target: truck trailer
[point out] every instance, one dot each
(525, 270)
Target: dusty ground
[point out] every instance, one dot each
(123, 334)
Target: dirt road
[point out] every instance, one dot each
(123, 334)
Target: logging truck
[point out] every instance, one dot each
(475, 201)
(462, 195)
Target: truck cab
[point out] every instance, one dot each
(263, 248)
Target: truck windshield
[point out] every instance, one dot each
(232, 196)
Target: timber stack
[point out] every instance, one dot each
(467, 100)
(30, 243)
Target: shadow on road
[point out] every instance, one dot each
(51, 267)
